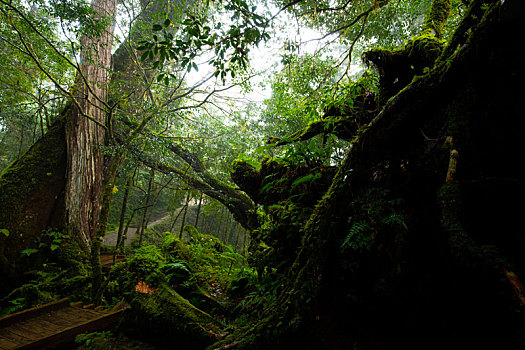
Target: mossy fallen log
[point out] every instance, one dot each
(164, 317)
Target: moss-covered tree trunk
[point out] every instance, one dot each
(452, 273)
(85, 133)
(59, 181)
(31, 197)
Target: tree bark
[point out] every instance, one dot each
(198, 211)
(184, 214)
(123, 212)
(142, 225)
(85, 134)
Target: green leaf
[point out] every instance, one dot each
(167, 22)
(156, 27)
(28, 251)
(4, 231)
(306, 178)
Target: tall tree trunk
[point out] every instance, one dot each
(176, 218)
(58, 181)
(123, 211)
(142, 226)
(198, 211)
(85, 132)
(184, 215)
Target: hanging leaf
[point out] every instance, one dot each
(306, 178)
(144, 56)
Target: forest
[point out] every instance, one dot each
(262, 174)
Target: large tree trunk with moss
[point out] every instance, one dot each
(85, 131)
(31, 197)
(419, 238)
(41, 190)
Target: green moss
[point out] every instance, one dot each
(30, 194)
(437, 18)
(173, 246)
(204, 239)
(166, 318)
(143, 266)
(24, 297)
(398, 67)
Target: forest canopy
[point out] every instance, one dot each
(266, 174)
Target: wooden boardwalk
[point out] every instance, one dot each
(46, 326)
(106, 260)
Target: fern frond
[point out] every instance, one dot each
(395, 219)
(353, 238)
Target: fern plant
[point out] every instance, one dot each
(359, 237)
(394, 219)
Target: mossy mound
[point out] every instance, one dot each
(398, 67)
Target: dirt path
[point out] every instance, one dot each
(111, 237)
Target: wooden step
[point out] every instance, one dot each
(46, 326)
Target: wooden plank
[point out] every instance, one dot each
(48, 326)
(89, 312)
(68, 334)
(52, 324)
(25, 332)
(6, 344)
(5, 334)
(74, 315)
(95, 312)
(62, 323)
(39, 325)
(30, 313)
(15, 337)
